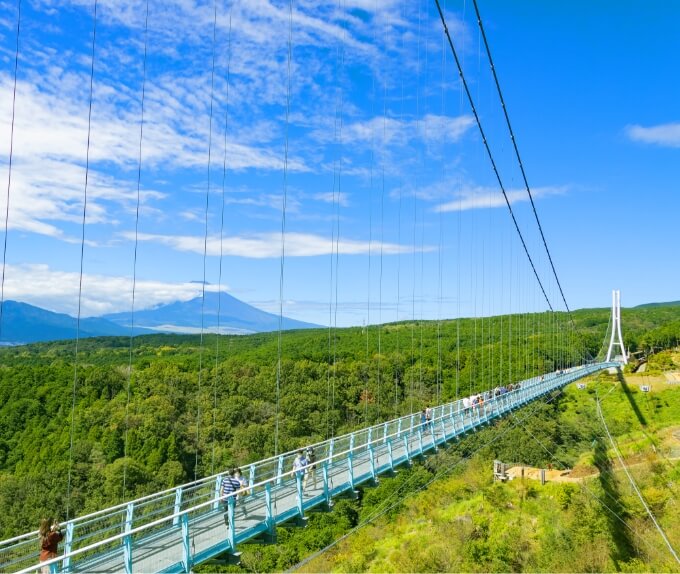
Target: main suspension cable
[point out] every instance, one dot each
(488, 151)
(519, 159)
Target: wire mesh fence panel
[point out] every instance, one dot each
(197, 494)
(153, 509)
(106, 555)
(90, 531)
(20, 554)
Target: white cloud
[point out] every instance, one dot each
(399, 132)
(667, 135)
(268, 245)
(51, 122)
(47, 192)
(49, 152)
(485, 198)
(340, 198)
(443, 129)
(38, 284)
(51, 127)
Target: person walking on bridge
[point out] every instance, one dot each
(310, 455)
(300, 467)
(230, 485)
(243, 485)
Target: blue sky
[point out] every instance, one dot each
(389, 193)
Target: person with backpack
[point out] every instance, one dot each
(50, 537)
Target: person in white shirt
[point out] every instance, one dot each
(300, 465)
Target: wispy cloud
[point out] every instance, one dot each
(399, 132)
(340, 198)
(667, 135)
(268, 245)
(47, 193)
(49, 150)
(486, 198)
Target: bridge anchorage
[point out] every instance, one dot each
(173, 530)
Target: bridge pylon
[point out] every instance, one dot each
(616, 339)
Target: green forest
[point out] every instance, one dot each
(447, 514)
(466, 522)
(155, 405)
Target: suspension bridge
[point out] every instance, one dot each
(175, 529)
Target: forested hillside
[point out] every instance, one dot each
(330, 381)
(466, 522)
(446, 514)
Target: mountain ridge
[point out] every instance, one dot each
(662, 304)
(234, 316)
(26, 323)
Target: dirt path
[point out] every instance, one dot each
(550, 475)
(580, 473)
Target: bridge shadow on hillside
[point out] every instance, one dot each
(624, 549)
(631, 399)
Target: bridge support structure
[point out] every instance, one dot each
(616, 339)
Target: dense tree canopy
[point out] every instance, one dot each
(151, 421)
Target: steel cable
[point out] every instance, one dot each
(134, 261)
(384, 507)
(205, 246)
(9, 168)
(283, 226)
(219, 280)
(82, 257)
(634, 485)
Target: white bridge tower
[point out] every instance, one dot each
(616, 329)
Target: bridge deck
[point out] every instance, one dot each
(175, 529)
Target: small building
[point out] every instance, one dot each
(500, 471)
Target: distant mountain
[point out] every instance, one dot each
(24, 323)
(667, 304)
(235, 316)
